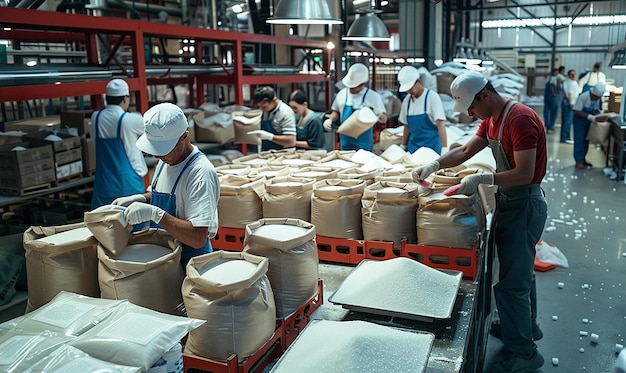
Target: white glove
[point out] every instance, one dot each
(591, 117)
(469, 184)
(403, 146)
(139, 212)
(422, 172)
(263, 135)
(444, 150)
(328, 125)
(125, 201)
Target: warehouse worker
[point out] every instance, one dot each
(516, 136)
(278, 123)
(570, 95)
(355, 96)
(587, 107)
(309, 129)
(591, 78)
(120, 166)
(551, 99)
(183, 196)
(421, 113)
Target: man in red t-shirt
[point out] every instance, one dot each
(517, 138)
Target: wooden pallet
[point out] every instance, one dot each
(25, 191)
(67, 179)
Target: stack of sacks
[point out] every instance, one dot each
(151, 259)
(233, 294)
(370, 161)
(240, 201)
(390, 136)
(454, 221)
(233, 169)
(357, 173)
(388, 212)
(245, 122)
(255, 160)
(399, 174)
(338, 159)
(289, 244)
(336, 208)
(269, 172)
(288, 197)
(236, 110)
(296, 160)
(214, 127)
(58, 259)
(317, 173)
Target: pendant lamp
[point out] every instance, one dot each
(367, 27)
(311, 12)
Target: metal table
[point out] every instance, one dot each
(615, 149)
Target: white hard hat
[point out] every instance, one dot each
(357, 75)
(464, 87)
(407, 76)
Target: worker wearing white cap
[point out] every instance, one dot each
(517, 138)
(421, 113)
(586, 110)
(185, 190)
(120, 166)
(355, 96)
(278, 123)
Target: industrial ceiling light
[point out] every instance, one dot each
(303, 12)
(368, 27)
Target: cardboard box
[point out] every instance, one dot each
(68, 142)
(26, 168)
(11, 138)
(70, 169)
(88, 147)
(68, 156)
(49, 123)
(80, 120)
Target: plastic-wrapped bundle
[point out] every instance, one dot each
(288, 197)
(388, 212)
(150, 261)
(240, 201)
(289, 244)
(70, 359)
(61, 258)
(232, 293)
(336, 208)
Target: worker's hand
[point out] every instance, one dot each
(422, 172)
(469, 184)
(263, 135)
(125, 201)
(139, 212)
(328, 125)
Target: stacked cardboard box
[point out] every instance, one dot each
(30, 167)
(81, 120)
(68, 158)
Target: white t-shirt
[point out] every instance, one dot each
(434, 107)
(372, 99)
(283, 119)
(570, 87)
(197, 193)
(592, 79)
(132, 128)
(584, 100)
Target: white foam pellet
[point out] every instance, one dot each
(585, 286)
(555, 317)
(560, 285)
(594, 338)
(550, 229)
(585, 321)
(583, 333)
(581, 350)
(555, 361)
(618, 348)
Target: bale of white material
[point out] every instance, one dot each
(240, 201)
(336, 208)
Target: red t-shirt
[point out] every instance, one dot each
(524, 130)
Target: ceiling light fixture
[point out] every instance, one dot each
(368, 27)
(303, 12)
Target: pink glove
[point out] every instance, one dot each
(139, 212)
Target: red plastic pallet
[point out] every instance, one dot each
(463, 260)
(340, 250)
(229, 239)
(295, 323)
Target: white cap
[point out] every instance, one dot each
(407, 76)
(357, 75)
(117, 88)
(163, 125)
(598, 89)
(464, 87)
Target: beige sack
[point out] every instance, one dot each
(388, 211)
(233, 169)
(336, 208)
(289, 244)
(360, 121)
(269, 172)
(232, 293)
(214, 127)
(109, 227)
(246, 123)
(296, 160)
(317, 173)
(255, 160)
(388, 138)
(146, 277)
(288, 197)
(64, 265)
(599, 133)
(240, 201)
(369, 176)
(454, 221)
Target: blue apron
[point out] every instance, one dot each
(266, 125)
(167, 201)
(587, 86)
(365, 141)
(115, 176)
(422, 131)
(581, 130)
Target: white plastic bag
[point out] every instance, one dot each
(547, 252)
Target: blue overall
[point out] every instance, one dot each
(567, 116)
(581, 130)
(115, 176)
(518, 221)
(422, 131)
(551, 104)
(167, 202)
(266, 125)
(365, 141)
